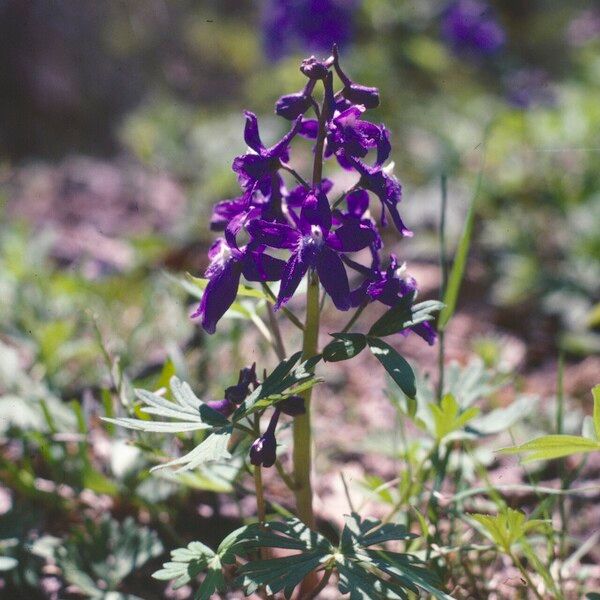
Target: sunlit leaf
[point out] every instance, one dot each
(400, 371)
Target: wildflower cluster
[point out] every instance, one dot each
(312, 232)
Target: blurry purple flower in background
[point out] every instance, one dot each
(470, 27)
(306, 25)
(529, 87)
(584, 28)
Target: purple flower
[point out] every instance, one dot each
(254, 167)
(469, 27)
(313, 25)
(227, 264)
(389, 287)
(314, 245)
(264, 449)
(348, 136)
(529, 87)
(386, 187)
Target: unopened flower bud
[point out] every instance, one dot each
(292, 406)
(225, 407)
(264, 449)
(314, 68)
(291, 106)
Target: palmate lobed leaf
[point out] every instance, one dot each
(448, 417)
(508, 527)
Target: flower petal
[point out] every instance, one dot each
(251, 134)
(219, 295)
(352, 237)
(333, 277)
(275, 235)
(262, 267)
(294, 271)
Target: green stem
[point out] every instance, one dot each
(290, 315)
(525, 574)
(355, 316)
(277, 339)
(302, 454)
(444, 284)
(261, 510)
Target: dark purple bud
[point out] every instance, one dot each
(248, 376)
(264, 449)
(225, 407)
(236, 393)
(361, 94)
(313, 68)
(293, 105)
(355, 92)
(292, 406)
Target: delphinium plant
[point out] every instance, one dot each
(274, 234)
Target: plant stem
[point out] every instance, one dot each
(320, 587)
(354, 317)
(295, 174)
(525, 575)
(277, 339)
(290, 315)
(443, 284)
(302, 455)
(261, 510)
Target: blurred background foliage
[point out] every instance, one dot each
(119, 124)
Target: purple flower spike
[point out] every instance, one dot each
(264, 449)
(253, 167)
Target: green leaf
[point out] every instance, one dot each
(100, 556)
(458, 268)
(286, 377)
(186, 564)
(507, 527)
(214, 447)
(7, 563)
(409, 570)
(393, 319)
(596, 417)
(400, 371)
(184, 408)
(553, 446)
(448, 418)
(212, 417)
(361, 584)
(213, 582)
(279, 573)
(404, 315)
(344, 347)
